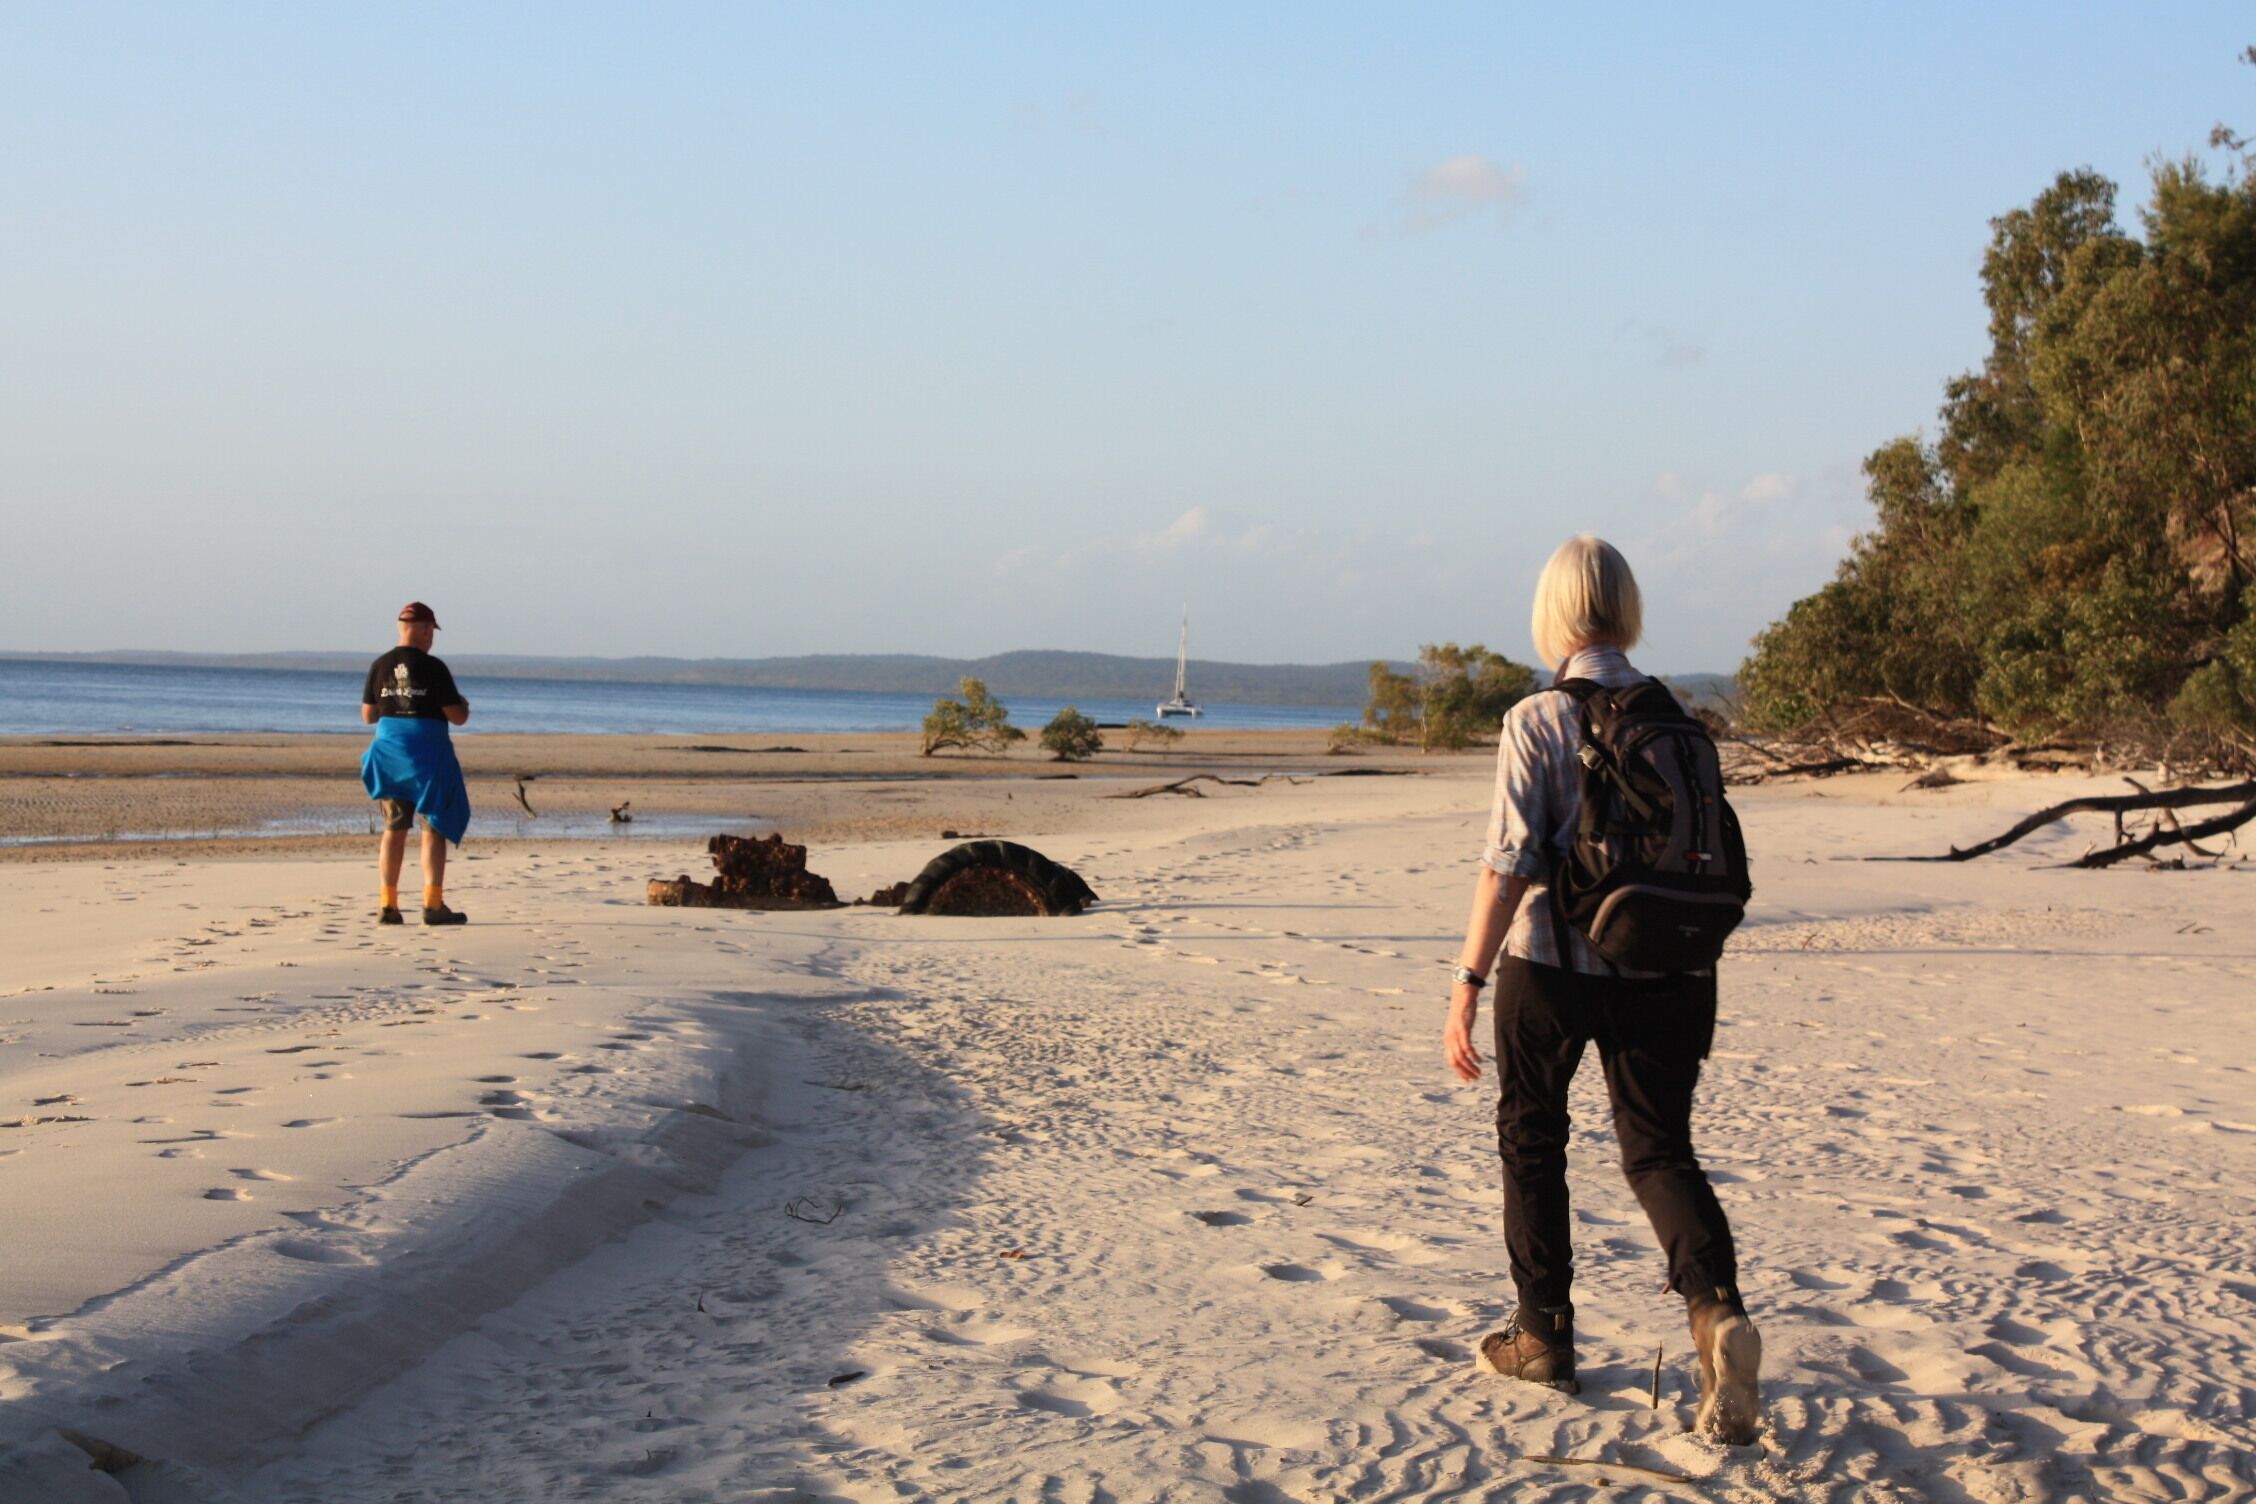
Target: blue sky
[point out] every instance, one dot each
(739, 330)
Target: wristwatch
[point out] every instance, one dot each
(1465, 976)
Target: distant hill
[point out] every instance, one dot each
(1043, 675)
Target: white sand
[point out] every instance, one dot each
(1987, 1134)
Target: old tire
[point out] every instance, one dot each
(1052, 887)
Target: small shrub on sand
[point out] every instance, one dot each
(973, 720)
(1139, 732)
(1072, 736)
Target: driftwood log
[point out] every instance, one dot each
(2175, 834)
(1187, 787)
(2118, 805)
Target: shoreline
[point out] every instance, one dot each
(85, 799)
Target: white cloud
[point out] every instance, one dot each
(1771, 485)
(1211, 557)
(1188, 528)
(1459, 186)
(1716, 512)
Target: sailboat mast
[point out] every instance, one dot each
(1183, 654)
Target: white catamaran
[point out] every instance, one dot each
(1182, 704)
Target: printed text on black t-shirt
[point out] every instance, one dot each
(410, 682)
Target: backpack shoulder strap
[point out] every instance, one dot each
(1581, 689)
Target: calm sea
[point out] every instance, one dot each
(89, 699)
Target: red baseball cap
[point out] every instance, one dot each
(417, 611)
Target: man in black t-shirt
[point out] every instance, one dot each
(408, 684)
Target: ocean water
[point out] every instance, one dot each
(101, 699)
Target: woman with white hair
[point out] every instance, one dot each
(1557, 991)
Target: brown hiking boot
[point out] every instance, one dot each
(1730, 1367)
(1536, 1346)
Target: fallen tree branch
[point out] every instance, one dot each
(1759, 749)
(2167, 819)
(2116, 804)
(2177, 835)
(1818, 769)
(1183, 785)
(1940, 720)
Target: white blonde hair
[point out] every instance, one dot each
(1587, 596)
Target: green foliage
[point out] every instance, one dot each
(1139, 732)
(1391, 714)
(1072, 737)
(2090, 658)
(1348, 736)
(974, 721)
(2073, 555)
(2219, 698)
(1465, 692)
(1457, 697)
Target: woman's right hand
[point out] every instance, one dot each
(1457, 1035)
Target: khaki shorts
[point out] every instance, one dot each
(399, 815)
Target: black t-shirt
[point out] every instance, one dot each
(410, 682)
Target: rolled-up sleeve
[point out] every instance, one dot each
(1519, 824)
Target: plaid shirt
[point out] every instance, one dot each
(1538, 798)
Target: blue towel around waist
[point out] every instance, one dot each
(412, 760)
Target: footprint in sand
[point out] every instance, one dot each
(973, 1332)
(1387, 1246)
(1076, 1400)
(309, 1122)
(226, 1193)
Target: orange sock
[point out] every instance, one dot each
(434, 896)
(391, 897)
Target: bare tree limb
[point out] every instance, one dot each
(1183, 785)
(2167, 819)
(1940, 719)
(2169, 799)
(2176, 835)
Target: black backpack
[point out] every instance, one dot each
(1655, 875)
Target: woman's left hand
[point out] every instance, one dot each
(1457, 1036)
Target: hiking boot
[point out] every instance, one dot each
(1730, 1364)
(389, 916)
(1536, 1346)
(444, 915)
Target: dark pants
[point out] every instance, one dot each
(1651, 1037)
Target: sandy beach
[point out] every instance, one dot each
(1173, 1200)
